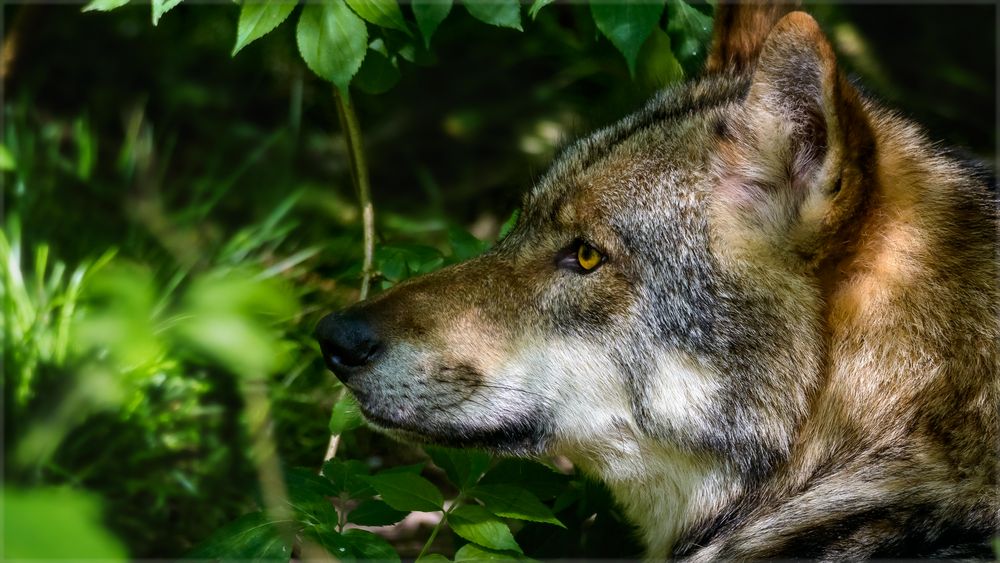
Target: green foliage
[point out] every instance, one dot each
(251, 536)
(333, 35)
(259, 17)
(501, 13)
(384, 13)
(627, 24)
(181, 276)
(332, 41)
(690, 33)
(55, 523)
(405, 491)
(429, 15)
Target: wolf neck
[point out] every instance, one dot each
(915, 298)
(662, 490)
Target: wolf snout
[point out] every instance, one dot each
(348, 342)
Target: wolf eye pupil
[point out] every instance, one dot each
(587, 257)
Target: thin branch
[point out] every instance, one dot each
(359, 175)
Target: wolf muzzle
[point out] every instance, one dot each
(349, 343)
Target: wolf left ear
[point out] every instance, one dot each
(806, 146)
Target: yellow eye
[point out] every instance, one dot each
(588, 257)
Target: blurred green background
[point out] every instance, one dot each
(177, 219)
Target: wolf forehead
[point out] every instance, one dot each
(674, 132)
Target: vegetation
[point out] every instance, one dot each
(188, 188)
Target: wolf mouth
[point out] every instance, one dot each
(523, 435)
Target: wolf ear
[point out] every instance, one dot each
(739, 31)
(805, 148)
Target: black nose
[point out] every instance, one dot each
(348, 342)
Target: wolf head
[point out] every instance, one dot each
(660, 295)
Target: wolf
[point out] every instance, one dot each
(763, 310)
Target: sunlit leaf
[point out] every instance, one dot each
(429, 15)
(228, 316)
(537, 6)
(511, 501)
(471, 552)
(509, 224)
(477, 525)
(383, 13)
(501, 13)
(346, 415)
(258, 18)
(332, 40)
(657, 66)
(433, 558)
(104, 5)
(56, 524)
(627, 24)
(7, 161)
(161, 7)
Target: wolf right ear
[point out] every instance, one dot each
(739, 31)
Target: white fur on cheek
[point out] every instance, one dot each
(661, 488)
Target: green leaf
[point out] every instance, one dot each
(332, 40)
(400, 261)
(7, 160)
(627, 24)
(304, 485)
(463, 467)
(690, 33)
(657, 65)
(228, 316)
(429, 15)
(377, 75)
(434, 558)
(406, 491)
(346, 415)
(415, 469)
(509, 224)
(545, 483)
(258, 18)
(537, 7)
(477, 525)
(515, 502)
(161, 7)
(104, 5)
(464, 245)
(472, 552)
(56, 523)
(501, 13)
(370, 547)
(383, 13)
(348, 478)
(375, 513)
(251, 537)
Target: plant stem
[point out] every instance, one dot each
(359, 176)
(434, 532)
(272, 483)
